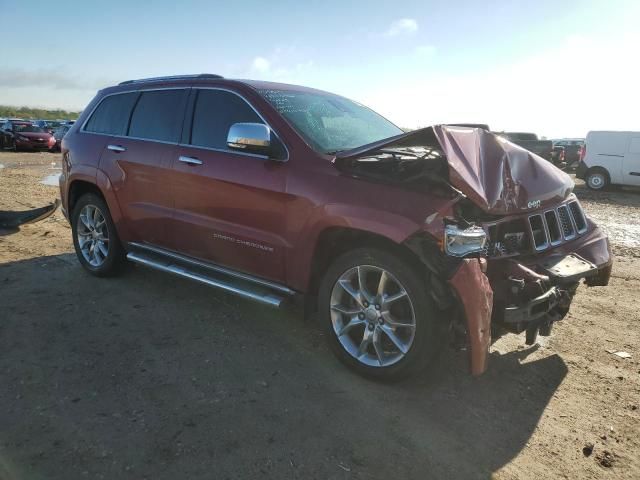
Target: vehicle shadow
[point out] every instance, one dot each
(149, 376)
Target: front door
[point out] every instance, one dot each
(229, 206)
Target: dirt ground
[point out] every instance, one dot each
(149, 376)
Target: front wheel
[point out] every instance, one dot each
(378, 316)
(95, 238)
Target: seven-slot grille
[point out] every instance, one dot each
(555, 226)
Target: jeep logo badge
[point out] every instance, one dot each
(534, 204)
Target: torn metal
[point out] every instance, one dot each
(498, 176)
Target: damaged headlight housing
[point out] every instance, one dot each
(460, 242)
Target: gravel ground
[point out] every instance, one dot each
(148, 376)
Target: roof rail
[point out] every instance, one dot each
(172, 77)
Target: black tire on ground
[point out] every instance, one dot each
(428, 338)
(597, 179)
(115, 258)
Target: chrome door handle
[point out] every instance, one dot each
(189, 160)
(116, 148)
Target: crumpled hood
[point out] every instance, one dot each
(500, 177)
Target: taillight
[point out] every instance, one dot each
(582, 152)
(562, 155)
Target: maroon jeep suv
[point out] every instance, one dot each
(400, 242)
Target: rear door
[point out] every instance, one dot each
(229, 205)
(631, 165)
(138, 162)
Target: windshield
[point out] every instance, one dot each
(26, 128)
(330, 123)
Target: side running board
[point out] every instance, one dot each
(237, 283)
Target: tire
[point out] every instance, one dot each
(597, 179)
(103, 258)
(338, 308)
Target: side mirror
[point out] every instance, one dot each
(250, 137)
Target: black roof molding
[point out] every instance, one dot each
(172, 77)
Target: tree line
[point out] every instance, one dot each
(36, 113)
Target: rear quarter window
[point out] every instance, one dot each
(112, 115)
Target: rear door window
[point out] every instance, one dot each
(158, 115)
(215, 112)
(112, 115)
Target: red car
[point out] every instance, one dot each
(402, 242)
(22, 135)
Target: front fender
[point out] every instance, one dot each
(393, 227)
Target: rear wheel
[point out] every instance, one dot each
(95, 238)
(378, 317)
(597, 179)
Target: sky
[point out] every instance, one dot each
(558, 69)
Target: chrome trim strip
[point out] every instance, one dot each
(189, 160)
(138, 90)
(555, 214)
(569, 216)
(584, 217)
(267, 299)
(212, 266)
(544, 229)
(120, 92)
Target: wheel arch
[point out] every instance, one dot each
(104, 189)
(336, 240)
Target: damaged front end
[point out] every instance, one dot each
(508, 251)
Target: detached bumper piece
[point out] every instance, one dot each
(15, 219)
(531, 301)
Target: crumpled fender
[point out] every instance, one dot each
(476, 297)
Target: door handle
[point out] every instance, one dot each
(189, 160)
(116, 148)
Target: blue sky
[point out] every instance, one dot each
(556, 68)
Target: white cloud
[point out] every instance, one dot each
(401, 27)
(260, 65)
(538, 93)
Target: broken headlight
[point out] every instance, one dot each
(460, 242)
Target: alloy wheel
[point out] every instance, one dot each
(372, 316)
(93, 235)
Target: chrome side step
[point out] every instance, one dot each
(231, 285)
(210, 266)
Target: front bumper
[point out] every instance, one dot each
(526, 294)
(33, 145)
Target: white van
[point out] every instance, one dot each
(610, 158)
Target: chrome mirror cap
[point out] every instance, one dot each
(252, 137)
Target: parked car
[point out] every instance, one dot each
(57, 135)
(610, 158)
(530, 141)
(21, 135)
(399, 241)
(47, 125)
(572, 149)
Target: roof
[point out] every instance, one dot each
(213, 78)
